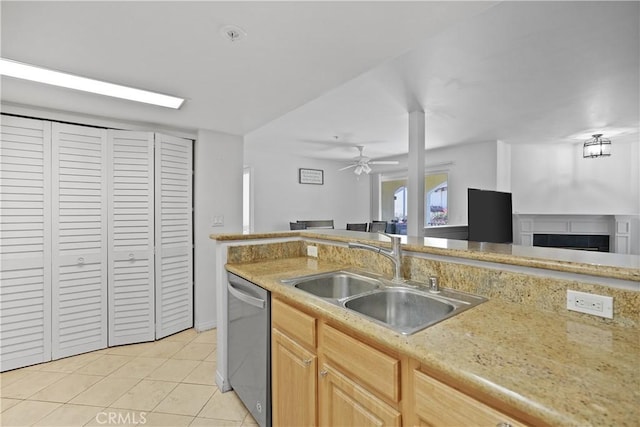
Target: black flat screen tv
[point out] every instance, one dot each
(489, 216)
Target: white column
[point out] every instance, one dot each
(415, 181)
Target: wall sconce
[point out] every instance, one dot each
(596, 147)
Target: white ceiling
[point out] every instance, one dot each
(520, 72)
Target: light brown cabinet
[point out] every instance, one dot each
(294, 382)
(344, 402)
(377, 371)
(322, 375)
(359, 385)
(438, 405)
(294, 367)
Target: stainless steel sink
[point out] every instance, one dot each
(335, 285)
(405, 309)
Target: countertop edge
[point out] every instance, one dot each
(497, 253)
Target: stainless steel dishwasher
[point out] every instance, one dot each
(249, 346)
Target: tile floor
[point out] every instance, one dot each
(164, 383)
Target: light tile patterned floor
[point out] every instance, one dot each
(164, 383)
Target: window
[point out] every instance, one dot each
(400, 204)
(393, 201)
(436, 199)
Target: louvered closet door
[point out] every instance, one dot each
(131, 237)
(174, 236)
(25, 242)
(79, 272)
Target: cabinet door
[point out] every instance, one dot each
(79, 239)
(438, 405)
(345, 403)
(25, 242)
(131, 237)
(174, 234)
(293, 376)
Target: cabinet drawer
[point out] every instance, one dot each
(376, 369)
(437, 404)
(294, 323)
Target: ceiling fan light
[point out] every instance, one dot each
(366, 168)
(358, 170)
(596, 147)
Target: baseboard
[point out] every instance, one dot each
(222, 386)
(205, 326)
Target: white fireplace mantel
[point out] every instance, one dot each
(621, 229)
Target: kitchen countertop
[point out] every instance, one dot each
(557, 368)
(618, 266)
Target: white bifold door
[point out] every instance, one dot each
(131, 237)
(150, 210)
(25, 242)
(96, 243)
(136, 201)
(174, 235)
(79, 255)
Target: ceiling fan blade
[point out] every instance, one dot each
(347, 167)
(384, 162)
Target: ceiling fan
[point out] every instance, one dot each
(362, 162)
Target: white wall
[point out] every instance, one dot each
(557, 180)
(279, 198)
(217, 192)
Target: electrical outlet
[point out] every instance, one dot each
(217, 221)
(598, 305)
(312, 251)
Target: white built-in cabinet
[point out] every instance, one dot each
(96, 243)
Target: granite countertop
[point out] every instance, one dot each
(617, 266)
(559, 369)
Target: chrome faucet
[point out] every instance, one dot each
(395, 254)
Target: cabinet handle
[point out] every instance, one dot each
(323, 373)
(81, 260)
(307, 362)
(504, 424)
(131, 257)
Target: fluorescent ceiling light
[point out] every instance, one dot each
(42, 75)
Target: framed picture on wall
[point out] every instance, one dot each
(311, 176)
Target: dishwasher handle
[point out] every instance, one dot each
(256, 302)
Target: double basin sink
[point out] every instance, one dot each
(406, 308)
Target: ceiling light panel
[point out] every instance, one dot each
(20, 70)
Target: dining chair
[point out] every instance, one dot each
(357, 226)
(325, 223)
(377, 227)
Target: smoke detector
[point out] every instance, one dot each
(233, 33)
